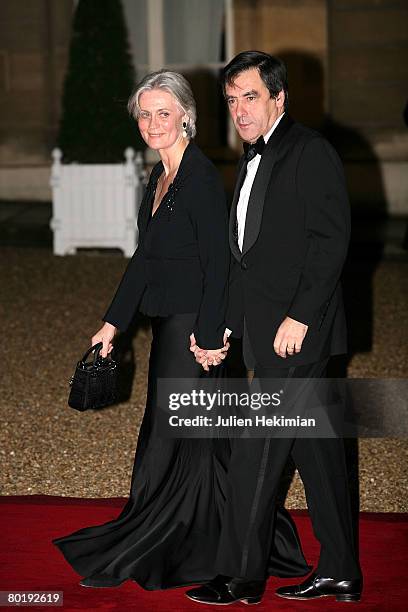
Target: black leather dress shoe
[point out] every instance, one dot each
(319, 586)
(224, 590)
(98, 581)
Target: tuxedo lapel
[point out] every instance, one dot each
(233, 214)
(260, 184)
(145, 209)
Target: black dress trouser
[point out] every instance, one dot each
(255, 469)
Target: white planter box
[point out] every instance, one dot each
(96, 205)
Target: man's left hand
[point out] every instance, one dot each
(289, 337)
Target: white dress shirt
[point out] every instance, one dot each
(242, 206)
(245, 192)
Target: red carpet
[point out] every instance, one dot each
(28, 560)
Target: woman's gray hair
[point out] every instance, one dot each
(177, 86)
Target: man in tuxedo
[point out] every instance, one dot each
(289, 235)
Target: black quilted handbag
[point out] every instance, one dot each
(94, 383)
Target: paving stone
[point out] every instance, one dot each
(51, 306)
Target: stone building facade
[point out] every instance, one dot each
(348, 75)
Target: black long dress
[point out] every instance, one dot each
(168, 531)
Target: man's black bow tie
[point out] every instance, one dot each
(251, 150)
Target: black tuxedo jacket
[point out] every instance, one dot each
(182, 260)
(295, 243)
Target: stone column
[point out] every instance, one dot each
(368, 73)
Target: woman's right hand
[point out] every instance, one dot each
(105, 335)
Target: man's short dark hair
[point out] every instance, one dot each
(272, 71)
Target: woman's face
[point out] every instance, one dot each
(160, 119)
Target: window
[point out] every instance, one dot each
(192, 37)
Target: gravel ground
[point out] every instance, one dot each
(51, 306)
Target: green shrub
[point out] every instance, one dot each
(95, 126)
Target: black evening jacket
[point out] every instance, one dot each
(182, 259)
(297, 233)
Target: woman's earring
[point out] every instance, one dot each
(184, 129)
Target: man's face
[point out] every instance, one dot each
(251, 106)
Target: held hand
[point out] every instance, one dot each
(208, 357)
(195, 349)
(105, 335)
(289, 337)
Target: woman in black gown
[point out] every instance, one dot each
(167, 533)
